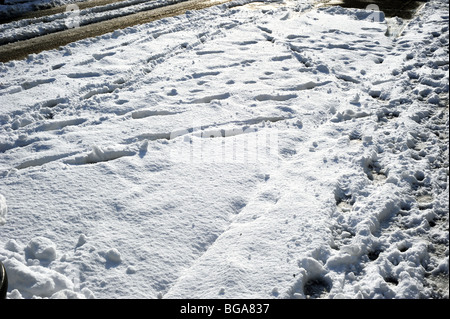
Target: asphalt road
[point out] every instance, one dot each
(21, 49)
(55, 10)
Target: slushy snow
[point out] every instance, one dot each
(248, 150)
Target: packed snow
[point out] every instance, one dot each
(248, 150)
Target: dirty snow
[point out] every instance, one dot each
(17, 7)
(73, 17)
(249, 150)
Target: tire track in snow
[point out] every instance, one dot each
(207, 131)
(20, 50)
(22, 122)
(23, 30)
(138, 144)
(264, 197)
(210, 131)
(34, 15)
(61, 36)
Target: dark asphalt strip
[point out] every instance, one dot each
(55, 10)
(20, 50)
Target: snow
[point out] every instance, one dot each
(247, 150)
(13, 8)
(73, 17)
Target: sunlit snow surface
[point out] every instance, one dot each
(242, 151)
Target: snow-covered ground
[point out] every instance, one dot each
(266, 150)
